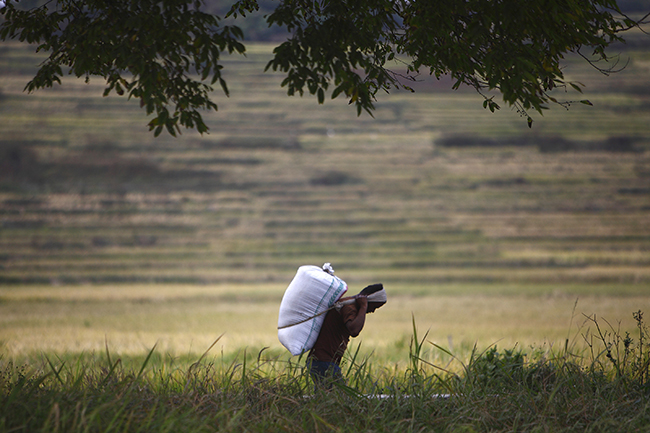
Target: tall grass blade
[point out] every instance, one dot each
(55, 371)
(207, 351)
(145, 362)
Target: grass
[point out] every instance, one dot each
(603, 389)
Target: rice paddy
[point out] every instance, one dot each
(483, 230)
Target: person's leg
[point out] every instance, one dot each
(324, 374)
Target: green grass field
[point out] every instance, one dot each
(602, 386)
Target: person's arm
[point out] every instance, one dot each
(356, 325)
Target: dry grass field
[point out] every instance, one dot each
(183, 321)
(484, 230)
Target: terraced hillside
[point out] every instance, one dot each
(432, 189)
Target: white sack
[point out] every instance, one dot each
(311, 292)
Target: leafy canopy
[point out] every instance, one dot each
(167, 53)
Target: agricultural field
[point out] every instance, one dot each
(482, 230)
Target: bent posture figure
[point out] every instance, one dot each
(324, 359)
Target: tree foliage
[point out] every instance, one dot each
(167, 53)
(146, 49)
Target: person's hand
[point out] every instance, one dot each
(362, 302)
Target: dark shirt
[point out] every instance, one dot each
(334, 335)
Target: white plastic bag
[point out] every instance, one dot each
(311, 292)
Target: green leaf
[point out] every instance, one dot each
(338, 90)
(224, 87)
(576, 87)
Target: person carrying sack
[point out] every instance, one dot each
(345, 321)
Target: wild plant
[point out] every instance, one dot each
(629, 359)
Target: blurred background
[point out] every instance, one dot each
(432, 195)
